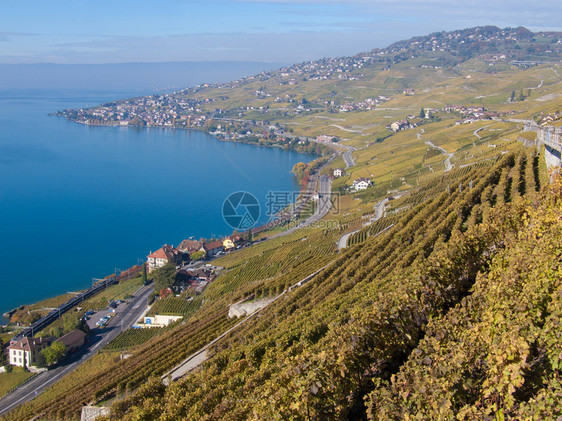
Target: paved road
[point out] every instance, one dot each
(478, 130)
(324, 206)
(379, 213)
(101, 337)
(448, 165)
(348, 158)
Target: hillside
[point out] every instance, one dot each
(443, 302)
(322, 88)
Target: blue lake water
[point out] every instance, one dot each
(76, 202)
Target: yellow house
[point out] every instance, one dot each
(228, 244)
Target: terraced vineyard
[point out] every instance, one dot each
(175, 306)
(449, 221)
(321, 349)
(131, 338)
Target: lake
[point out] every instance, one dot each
(78, 202)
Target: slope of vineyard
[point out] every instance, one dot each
(320, 351)
(498, 353)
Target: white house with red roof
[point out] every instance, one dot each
(26, 350)
(162, 256)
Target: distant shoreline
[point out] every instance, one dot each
(199, 129)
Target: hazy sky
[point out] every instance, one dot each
(103, 31)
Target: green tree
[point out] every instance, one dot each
(422, 113)
(40, 360)
(53, 353)
(521, 96)
(144, 279)
(197, 255)
(165, 276)
(512, 99)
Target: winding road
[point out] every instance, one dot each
(447, 162)
(380, 208)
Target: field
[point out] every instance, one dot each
(131, 338)
(10, 380)
(175, 306)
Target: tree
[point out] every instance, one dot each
(299, 169)
(197, 255)
(40, 360)
(53, 353)
(422, 113)
(144, 279)
(512, 99)
(164, 277)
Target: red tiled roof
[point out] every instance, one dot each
(213, 245)
(190, 245)
(29, 344)
(165, 252)
(71, 338)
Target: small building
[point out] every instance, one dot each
(160, 320)
(400, 125)
(325, 138)
(228, 244)
(162, 256)
(26, 350)
(338, 172)
(362, 183)
(212, 248)
(73, 340)
(190, 246)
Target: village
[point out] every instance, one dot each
(188, 257)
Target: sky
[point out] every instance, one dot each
(120, 31)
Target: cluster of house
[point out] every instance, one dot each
(472, 114)
(186, 248)
(194, 280)
(366, 105)
(25, 352)
(550, 118)
(156, 111)
(402, 125)
(358, 184)
(324, 138)
(452, 41)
